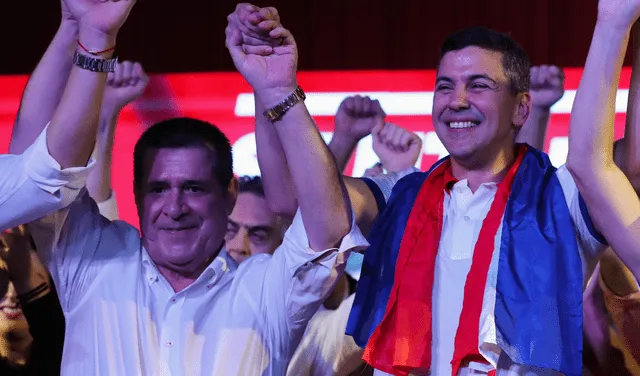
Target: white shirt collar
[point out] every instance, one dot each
(222, 264)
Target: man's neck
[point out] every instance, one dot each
(478, 173)
(178, 281)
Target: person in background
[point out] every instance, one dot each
(127, 83)
(325, 349)
(31, 320)
(252, 228)
(28, 284)
(48, 175)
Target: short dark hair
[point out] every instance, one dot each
(251, 184)
(182, 133)
(515, 61)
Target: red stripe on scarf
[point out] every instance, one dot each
(401, 344)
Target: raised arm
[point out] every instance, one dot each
(356, 117)
(322, 197)
(547, 87)
(41, 180)
(47, 82)
(76, 117)
(610, 198)
(255, 24)
(123, 87)
(627, 150)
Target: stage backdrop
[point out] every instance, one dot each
(226, 100)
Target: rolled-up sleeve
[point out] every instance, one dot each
(300, 278)
(32, 184)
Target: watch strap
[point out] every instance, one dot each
(95, 64)
(281, 108)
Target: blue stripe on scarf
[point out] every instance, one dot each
(539, 293)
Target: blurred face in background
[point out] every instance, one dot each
(253, 228)
(15, 339)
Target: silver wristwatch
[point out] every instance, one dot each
(94, 64)
(276, 112)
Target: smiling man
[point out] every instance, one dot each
(171, 300)
(477, 266)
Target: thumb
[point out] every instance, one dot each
(234, 45)
(377, 129)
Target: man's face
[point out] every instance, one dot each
(183, 209)
(474, 111)
(252, 228)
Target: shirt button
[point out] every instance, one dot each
(209, 287)
(169, 344)
(466, 218)
(173, 300)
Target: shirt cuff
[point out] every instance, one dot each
(300, 253)
(109, 207)
(45, 171)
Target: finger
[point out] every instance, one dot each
(234, 45)
(357, 106)
(138, 75)
(270, 13)
(377, 129)
(239, 19)
(111, 77)
(534, 76)
(386, 130)
(347, 105)
(367, 106)
(398, 136)
(287, 39)
(127, 70)
(268, 25)
(558, 73)
(246, 6)
(257, 50)
(415, 140)
(405, 139)
(117, 81)
(377, 108)
(253, 41)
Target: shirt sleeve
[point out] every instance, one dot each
(76, 242)
(382, 185)
(325, 349)
(590, 243)
(295, 280)
(33, 184)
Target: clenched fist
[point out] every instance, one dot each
(547, 85)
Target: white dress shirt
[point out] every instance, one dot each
(109, 207)
(33, 185)
(325, 350)
(123, 317)
(464, 212)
